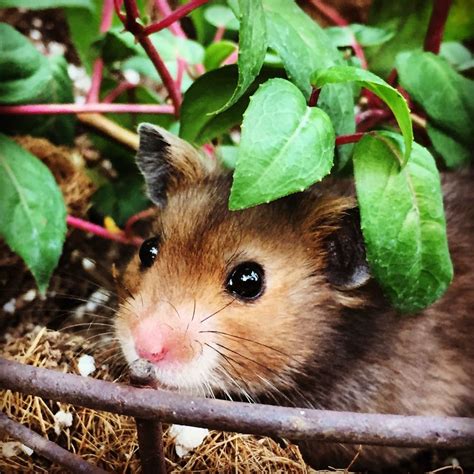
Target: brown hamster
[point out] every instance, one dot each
(275, 303)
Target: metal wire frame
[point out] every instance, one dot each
(151, 407)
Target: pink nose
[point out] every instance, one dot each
(149, 340)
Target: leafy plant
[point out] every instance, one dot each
(263, 87)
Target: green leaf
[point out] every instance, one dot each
(32, 210)
(454, 153)
(364, 35)
(408, 19)
(221, 16)
(217, 52)
(252, 47)
(378, 86)
(402, 221)
(457, 55)
(446, 96)
(26, 76)
(283, 149)
(121, 199)
(208, 94)
(43, 4)
(117, 45)
(227, 155)
(304, 47)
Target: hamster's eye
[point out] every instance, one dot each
(246, 281)
(148, 251)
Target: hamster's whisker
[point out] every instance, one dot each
(248, 340)
(173, 306)
(218, 311)
(231, 362)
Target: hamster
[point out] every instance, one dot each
(275, 304)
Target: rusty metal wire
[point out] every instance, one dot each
(290, 423)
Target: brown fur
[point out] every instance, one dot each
(304, 342)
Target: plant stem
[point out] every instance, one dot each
(176, 15)
(138, 217)
(117, 91)
(97, 71)
(219, 34)
(100, 231)
(111, 129)
(166, 11)
(56, 109)
(130, 23)
(313, 99)
(345, 139)
(96, 80)
(435, 31)
(333, 15)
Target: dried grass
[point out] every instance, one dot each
(109, 440)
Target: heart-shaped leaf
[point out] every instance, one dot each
(285, 147)
(378, 86)
(403, 221)
(32, 210)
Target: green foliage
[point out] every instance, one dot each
(121, 199)
(28, 77)
(285, 145)
(304, 47)
(402, 221)
(447, 98)
(252, 47)
(364, 35)
(216, 53)
(379, 87)
(408, 20)
(42, 4)
(294, 144)
(32, 210)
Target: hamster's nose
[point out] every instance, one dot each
(149, 341)
(158, 342)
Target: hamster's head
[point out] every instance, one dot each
(234, 302)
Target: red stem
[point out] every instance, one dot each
(97, 71)
(117, 91)
(333, 15)
(100, 231)
(435, 31)
(55, 109)
(140, 35)
(137, 217)
(166, 11)
(93, 94)
(313, 99)
(176, 15)
(219, 34)
(344, 139)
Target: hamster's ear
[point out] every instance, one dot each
(346, 264)
(167, 162)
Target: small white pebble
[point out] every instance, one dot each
(30, 295)
(131, 76)
(37, 22)
(28, 451)
(10, 306)
(187, 438)
(86, 365)
(56, 48)
(35, 35)
(62, 420)
(88, 264)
